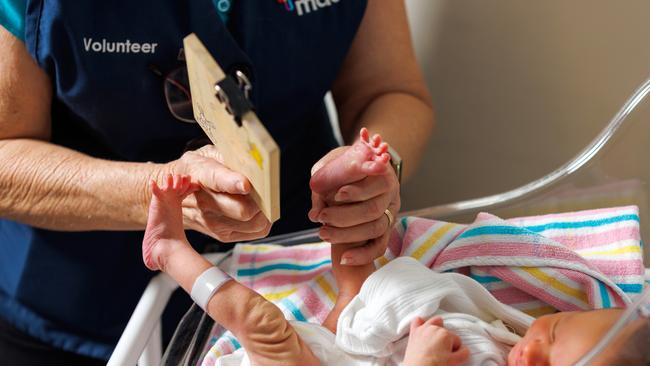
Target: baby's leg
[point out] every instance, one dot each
(258, 324)
(365, 157)
(374, 160)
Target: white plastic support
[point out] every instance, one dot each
(143, 322)
(141, 341)
(152, 354)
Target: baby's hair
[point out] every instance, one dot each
(634, 350)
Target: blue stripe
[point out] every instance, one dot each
(234, 342)
(581, 224)
(493, 230)
(630, 287)
(293, 309)
(485, 279)
(514, 230)
(289, 266)
(604, 295)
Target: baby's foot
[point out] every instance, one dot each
(368, 156)
(165, 223)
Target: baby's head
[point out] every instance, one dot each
(561, 339)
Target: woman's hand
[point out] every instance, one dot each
(222, 208)
(356, 212)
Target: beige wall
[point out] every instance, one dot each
(519, 86)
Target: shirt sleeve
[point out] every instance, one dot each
(12, 17)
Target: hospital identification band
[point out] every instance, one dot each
(207, 284)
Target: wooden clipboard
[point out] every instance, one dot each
(245, 144)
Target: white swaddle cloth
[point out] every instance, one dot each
(373, 328)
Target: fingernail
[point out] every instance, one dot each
(341, 196)
(240, 186)
(324, 234)
(347, 261)
(322, 217)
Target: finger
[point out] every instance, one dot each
(218, 178)
(459, 356)
(328, 157)
(456, 342)
(353, 214)
(236, 207)
(416, 322)
(317, 205)
(354, 234)
(365, 189)
(366, 253)
(436, 320)
(224, 229)
(256, 224)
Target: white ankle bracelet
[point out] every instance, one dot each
(207, 284)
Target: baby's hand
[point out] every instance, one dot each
(430, 344)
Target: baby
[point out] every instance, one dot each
(269, 339)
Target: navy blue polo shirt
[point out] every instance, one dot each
(76, 290)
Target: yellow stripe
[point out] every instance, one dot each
(275, 296)
(327, 288)
(431, 241)
(382, 261)
(622, 250)
(537, 312)
(558, 285)
(256, 248)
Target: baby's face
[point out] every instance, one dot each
(561, 339)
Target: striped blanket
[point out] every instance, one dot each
(542, 264)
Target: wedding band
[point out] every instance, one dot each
(390, 217)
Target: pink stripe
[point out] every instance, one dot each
(509, 276)
(586, 213)
(512, 295)
(630, 267)
(291, 255)
(286, 279)
(593, 240)
(417, 228)
(313, 303)
(507, 249)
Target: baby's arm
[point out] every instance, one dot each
(258, 324)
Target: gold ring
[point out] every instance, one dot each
(390, 217)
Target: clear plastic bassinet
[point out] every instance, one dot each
(613, 170)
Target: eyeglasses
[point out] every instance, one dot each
(178, 96)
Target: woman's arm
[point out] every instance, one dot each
(380, 85)
(52, 187)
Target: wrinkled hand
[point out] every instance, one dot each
(355, 212)
(431, 344)
(222, 208)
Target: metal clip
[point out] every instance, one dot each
(234, 93)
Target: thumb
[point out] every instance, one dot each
(218, 178)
